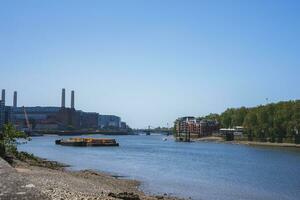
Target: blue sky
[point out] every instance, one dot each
(150, 61)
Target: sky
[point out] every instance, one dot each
(152, 61)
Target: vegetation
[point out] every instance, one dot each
(8, 149)
(278, 122)
(8, 140)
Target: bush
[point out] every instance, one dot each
(8, 140)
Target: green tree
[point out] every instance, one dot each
(239, 116)
(275, 122)
(213, 116)
(8, 139)
(226, 118)
(250, 124)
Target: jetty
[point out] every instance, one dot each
(83, 142)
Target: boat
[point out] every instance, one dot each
(83, 142)
(165, 139)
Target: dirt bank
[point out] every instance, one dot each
(208, 139)
(57, 183)
(253, 143)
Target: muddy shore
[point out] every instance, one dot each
(54, 181)
(240, 142)
(266, 144)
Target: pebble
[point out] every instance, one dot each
(30, 186)
(21, 193)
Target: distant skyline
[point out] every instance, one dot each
(150, 62)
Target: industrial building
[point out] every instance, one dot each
(46, 118)
(124, 126)
(5, 111)
(2, 110)
(55, 118)
(109, 122)
(2, 114)
(89, 120)
(39, 117)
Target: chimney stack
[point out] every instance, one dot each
(72, 99)
(63, 98)
(15, 99)
(3, 95)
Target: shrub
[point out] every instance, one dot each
(8, 140)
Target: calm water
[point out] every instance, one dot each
(198, 170)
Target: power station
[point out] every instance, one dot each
(44, 118)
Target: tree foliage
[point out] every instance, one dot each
(273, 122)
(9, 139)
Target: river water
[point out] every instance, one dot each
(205, 171)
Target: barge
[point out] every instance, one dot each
(83, 142)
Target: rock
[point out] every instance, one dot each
(30, 186)
(21, 193)
(125, 196)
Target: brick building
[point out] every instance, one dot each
(196, 127)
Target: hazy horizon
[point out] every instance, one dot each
(150, 62)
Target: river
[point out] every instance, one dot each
(203, 170)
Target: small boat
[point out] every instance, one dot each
(83, 142)
(165, 139)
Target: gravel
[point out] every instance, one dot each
(61, 184)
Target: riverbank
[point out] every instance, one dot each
(52, 180)
(250, 143)
(209, 139)
(268, 144)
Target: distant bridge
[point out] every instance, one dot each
(150, 130)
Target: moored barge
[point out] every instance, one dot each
(83, 142)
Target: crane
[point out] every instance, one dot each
(27, 121)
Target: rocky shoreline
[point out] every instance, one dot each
(54, 181)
